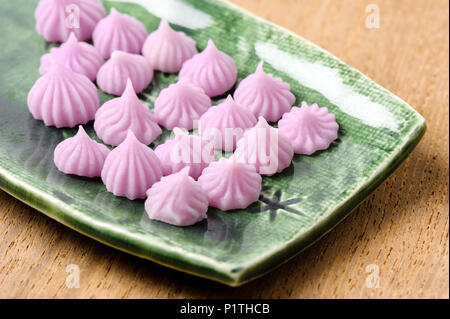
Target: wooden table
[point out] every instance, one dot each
(401, 230)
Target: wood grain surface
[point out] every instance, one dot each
(402, 228)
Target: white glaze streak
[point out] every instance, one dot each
(329, 83)
(175, 11)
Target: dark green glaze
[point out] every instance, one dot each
(296, 207)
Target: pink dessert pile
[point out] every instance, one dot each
(309, 128)
(56, 19)
(181, 104)
(177, 199)
(167, 49)
(131, 168)
(180, 177)
(116, 117)
(226, 123)
(113, 75)
(264, 147)
(265, 95)
(184, 150)
(63, 98)
(212, 70)
(119, 31)
(80, 155)
(78, 56)
(230, 184)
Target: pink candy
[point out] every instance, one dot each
(212, 70)
(181, 104)
(177, 199)
(230, 185)
(80, 57)
(264, 147)
(184, 150)
(226, 123)
(63, 98)
(131, 168)
(80, 155)
(167, 49)
(119, 31)
(309, 128)
(265, 95)
(56, 19)
(117, 116)
(113, 75)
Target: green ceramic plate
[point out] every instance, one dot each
(297, 207)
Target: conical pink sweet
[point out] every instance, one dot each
(116, 117)
(309, 128)
(184, 150)
(212, 70)
(230, 184)
(119, 31)
(113, 75)
(226, 123)
(56, 19)
(167, 49)
(177, 199)
(180, 105)
(131, 168)
(80, 57)
(264, 147)
(80, 155)
(265, 95)
(63, 98)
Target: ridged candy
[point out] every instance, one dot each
(264, 147)
(63, 98)
(177, 199)
(113, 75)
(80, 155)
(119, 31)
(184, 150)
(56, 19)
(226, 123)
(309, 128)
(78, 56)
(180, 105)
(230, 184)
(116, 117)
(212, 70)
(131, 168)
(265, 95)
(167, 49)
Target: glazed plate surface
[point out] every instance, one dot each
(297, 207)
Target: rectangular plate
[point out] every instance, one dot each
(297, 207)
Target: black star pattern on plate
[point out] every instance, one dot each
(274, 204)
